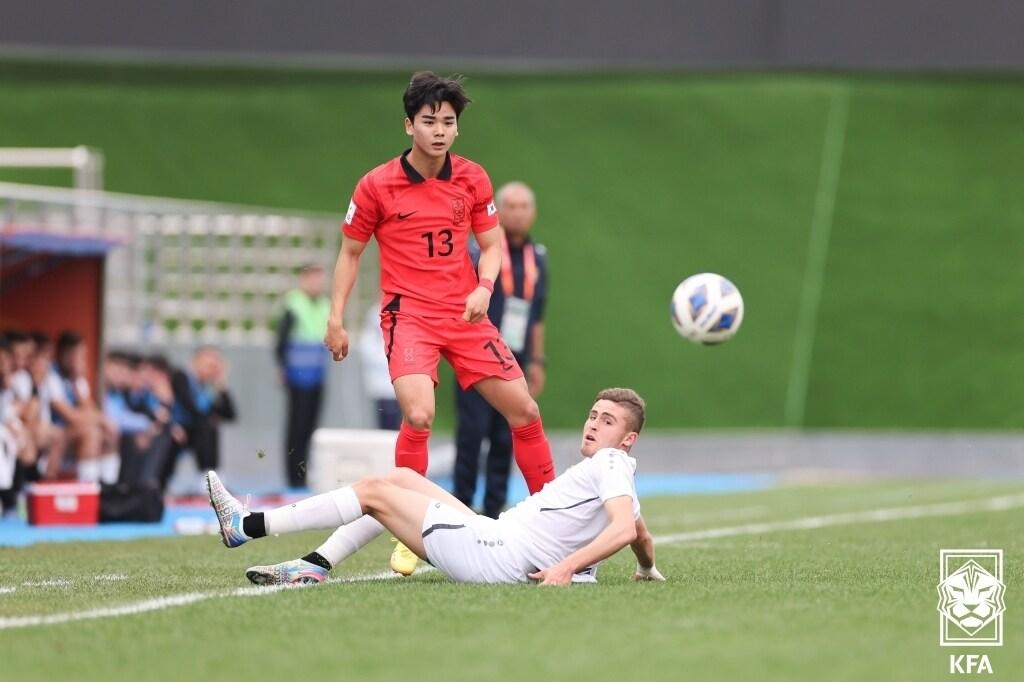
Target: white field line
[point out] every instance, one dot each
(67, 582)
(717, 516)
(52, 582)
(817, 255)
(170, 601)
(992, 504)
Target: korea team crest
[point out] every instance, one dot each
(458, 210)
(971, 591)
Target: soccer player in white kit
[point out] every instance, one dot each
(585, 515)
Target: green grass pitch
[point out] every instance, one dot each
(642, 180)
(854, 601)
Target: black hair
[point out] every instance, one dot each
(41, 339)
(158, 362)
(68, 340)
(426, 87)
(16, 336)
(117, 356)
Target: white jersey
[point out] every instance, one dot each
(568, 513)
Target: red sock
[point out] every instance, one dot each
(533, 455)
(411, 449)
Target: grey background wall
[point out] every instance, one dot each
(703, 34)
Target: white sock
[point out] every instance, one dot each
(110, 467)
(328, 510)
(89, 470)
(349, 539)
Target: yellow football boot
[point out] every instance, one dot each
(403, 561)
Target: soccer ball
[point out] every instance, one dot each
(707, 308)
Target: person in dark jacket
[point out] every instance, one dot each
(517, 309)
(201, 403)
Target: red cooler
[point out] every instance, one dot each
(58, 504)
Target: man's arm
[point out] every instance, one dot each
(345, 271)
(643, 548)
(66, 411)
(284, 332)
(489, 265)
(620, 531)
(224, 405)
(183, 394)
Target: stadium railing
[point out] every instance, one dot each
(189, 272)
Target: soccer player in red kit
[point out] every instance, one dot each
(421, 207)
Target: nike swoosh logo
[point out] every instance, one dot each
(403, 216)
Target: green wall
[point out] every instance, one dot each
(642, 180)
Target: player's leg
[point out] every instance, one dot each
(57, 446)
(530, 444)
(415, 393)
(400, 510)
(87, 441)
(110, 457)
(344, 542)
(483, 360)
(292, 451)
(350, 538)
(412, 346)
(403, 478)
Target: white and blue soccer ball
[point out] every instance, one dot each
(707, 308)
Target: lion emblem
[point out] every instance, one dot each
(971, 597)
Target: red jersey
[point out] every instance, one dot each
(422, 228)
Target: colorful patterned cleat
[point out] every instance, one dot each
(294, 572)
(403, 561)
(229, 511)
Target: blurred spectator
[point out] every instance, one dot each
(517, 309)
(91, 436)
(302, 360)
(376, 378)
(143, 419)
(117, 385)
(17, 446)
(45, 386)
(201, 403)
(21, 410)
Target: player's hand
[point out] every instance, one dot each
(476, 305)
(648, 574)
(559, 574)
(336, 341)
(535, 377)
(220, 379)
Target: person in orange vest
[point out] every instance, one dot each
(517, 309)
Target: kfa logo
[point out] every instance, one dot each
(971, 605)
(969, 663)
(971, 593)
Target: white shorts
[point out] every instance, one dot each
(471, 549)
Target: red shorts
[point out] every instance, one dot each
(414, 345)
